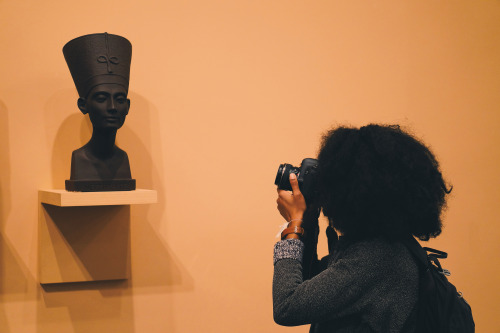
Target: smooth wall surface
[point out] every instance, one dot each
(223, 92)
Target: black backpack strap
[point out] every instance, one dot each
(434, 256)
(416, 250)
(424, 254)
(420, 256)
(436, 253)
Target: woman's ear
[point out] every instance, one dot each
(82, 105)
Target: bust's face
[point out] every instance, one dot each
(107, 106)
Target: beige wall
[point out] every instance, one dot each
(222, 92)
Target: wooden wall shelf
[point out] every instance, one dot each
(85, 236)
(63, 198)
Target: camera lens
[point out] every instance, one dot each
(279, 174)
(283, 176)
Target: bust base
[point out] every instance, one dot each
(100, 185)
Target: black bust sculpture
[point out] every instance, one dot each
(100, 67)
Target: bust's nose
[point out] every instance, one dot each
(112, 106)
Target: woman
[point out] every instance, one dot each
(377, 185)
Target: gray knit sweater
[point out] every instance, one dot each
(373, 282)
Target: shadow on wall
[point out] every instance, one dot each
(99, 306)
(63, 122)
(69, 129)
(4, 167)
(84, 243)
(14, 275)
(143, 119)
(15, 280)
(154, 268)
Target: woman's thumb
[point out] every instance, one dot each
(295, 184)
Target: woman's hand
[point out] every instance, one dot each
(292, 205)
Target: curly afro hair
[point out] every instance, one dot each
(380, 181)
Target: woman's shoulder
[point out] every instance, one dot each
(376, 252)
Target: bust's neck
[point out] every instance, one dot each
(102, 142)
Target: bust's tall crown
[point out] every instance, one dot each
(98, 59)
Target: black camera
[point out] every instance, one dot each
(306, 177)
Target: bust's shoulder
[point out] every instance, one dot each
(79, 154)
(120, 153)
(119, 150)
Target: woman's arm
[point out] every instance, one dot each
(292, 206)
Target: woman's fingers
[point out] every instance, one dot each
(291, 204)
(295, 184)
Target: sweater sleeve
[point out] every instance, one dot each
(299, 302)
(289, 249)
